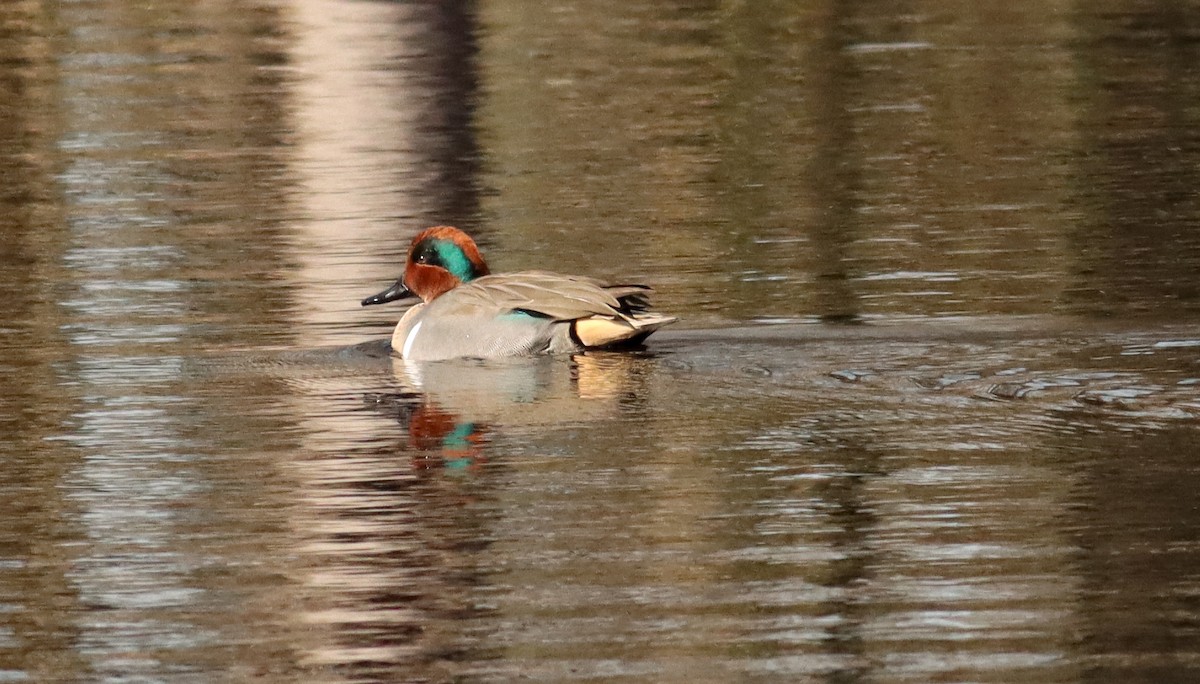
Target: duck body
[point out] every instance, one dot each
(465, 311)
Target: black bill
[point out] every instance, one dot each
(396, 291)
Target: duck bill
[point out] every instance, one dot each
(396, 291)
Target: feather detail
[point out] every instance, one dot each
(554, 296)
(466, 312)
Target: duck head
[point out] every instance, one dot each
(440, 259)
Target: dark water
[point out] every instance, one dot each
(932, 412)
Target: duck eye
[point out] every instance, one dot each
(426, 254)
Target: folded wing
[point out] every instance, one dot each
(550, 295)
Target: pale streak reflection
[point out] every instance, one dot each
(358, 169)
(355, 521)
(390, 547)
(135, 471)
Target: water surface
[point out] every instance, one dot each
(930, 413)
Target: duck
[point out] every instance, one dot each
(466, 311)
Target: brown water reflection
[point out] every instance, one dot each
(979, 468)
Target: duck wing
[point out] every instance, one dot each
(542, 293)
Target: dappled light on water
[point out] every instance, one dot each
(929, 414)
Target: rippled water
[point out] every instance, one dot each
(931, 412)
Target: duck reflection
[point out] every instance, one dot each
(449, 409)
(396, 556)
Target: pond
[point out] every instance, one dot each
(931, 411)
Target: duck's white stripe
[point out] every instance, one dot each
(408, 341)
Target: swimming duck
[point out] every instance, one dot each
(465, 311)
